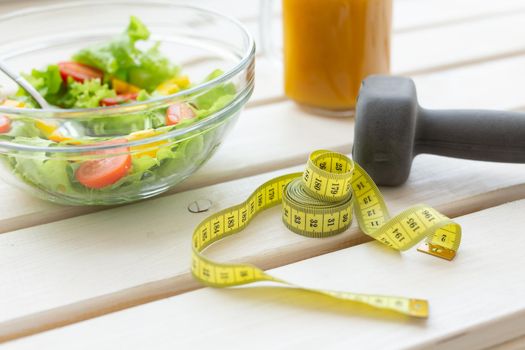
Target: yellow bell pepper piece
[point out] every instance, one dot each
(150, 149)
(173, 85)
(183, 81)
(46, 128)
(58, 137)
(122, 87)
(168, 88)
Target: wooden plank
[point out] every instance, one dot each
(489, 85)
(414, 15)
(439, 48)
(476, 301)
(90, 265)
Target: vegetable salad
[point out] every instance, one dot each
(105, 75)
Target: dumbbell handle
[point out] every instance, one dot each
(472, 134)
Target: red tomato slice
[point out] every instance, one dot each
(5, 124)
(99, 173)
(119, 99)
(79, 72)
(177, 112)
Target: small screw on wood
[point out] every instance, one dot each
(199, 206)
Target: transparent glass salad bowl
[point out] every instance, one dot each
(153, 159)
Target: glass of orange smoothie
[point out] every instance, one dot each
(330, 46)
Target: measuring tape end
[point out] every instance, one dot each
(418, 308)
(437, 250)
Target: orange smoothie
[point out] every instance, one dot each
(330, 46)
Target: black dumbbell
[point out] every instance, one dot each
(391, 129)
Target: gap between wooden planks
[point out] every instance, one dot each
(513, 344)
(476, 301)
(90, 265)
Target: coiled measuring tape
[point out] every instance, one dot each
(320, 203)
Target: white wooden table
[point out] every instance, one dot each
(118, 278)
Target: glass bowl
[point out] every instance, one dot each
(149, 159)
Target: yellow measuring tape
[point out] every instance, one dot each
(319, 203)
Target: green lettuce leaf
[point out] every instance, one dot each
(85, 95)
(23, 127)
(125, 124)
(40, 170)
(218, 104)
(117, 54)
(47, 82)
(122, 59)
(215, 98)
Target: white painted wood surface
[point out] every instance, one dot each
(475, 301)
(457, 44)
(411, 15)
(461, 53)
